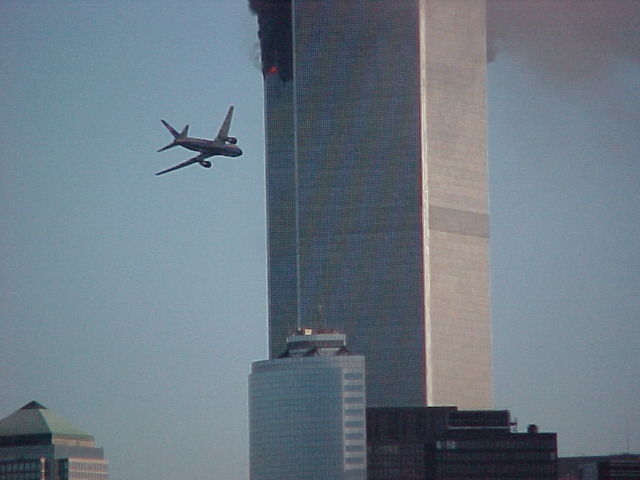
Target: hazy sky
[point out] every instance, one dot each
(133, 304)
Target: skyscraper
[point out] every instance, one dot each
(377, 204)
(307, 411)
(38, 444)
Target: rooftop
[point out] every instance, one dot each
(35, 419)
(309, 342)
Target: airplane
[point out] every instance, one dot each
(221, 145)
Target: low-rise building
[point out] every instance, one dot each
(602, 467)
(38, 444)
(444, 443)
(307, 411)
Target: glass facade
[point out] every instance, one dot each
(307, 418)
(52, 468)
(377, 193)
(33, 469)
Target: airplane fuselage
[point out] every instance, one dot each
(222, 144)
(209, 148)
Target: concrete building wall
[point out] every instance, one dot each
(456, 187)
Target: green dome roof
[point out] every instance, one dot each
(35, 419)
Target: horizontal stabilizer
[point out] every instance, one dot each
(172, 144)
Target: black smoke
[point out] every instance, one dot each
(274, 32)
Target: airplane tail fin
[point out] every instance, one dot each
(176, 135)
(174, 132)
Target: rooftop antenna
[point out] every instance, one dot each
(626, 428)
(320, 317)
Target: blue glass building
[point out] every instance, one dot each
(307, 418)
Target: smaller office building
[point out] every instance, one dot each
(444, 443)
(307, 411)
(38, 444)
(605, 467)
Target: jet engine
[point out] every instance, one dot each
(232, 140)
(205, 163)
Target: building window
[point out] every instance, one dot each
(354, 411)
(354, 448)
(354, 460)
(354, 424)
(354, 388)
(353, 400)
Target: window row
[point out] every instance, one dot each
(34, 466)
(21, 475)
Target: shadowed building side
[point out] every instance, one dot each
(281, 211)
(446, 443)
(359, 199)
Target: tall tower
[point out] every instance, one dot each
(377, 206)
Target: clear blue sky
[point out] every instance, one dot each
(133, 304)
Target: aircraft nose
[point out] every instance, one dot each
(238, 152)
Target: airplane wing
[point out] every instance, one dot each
(224, 129)
(191, 161)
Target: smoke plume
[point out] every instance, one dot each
(565, 39)
(274, 32)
